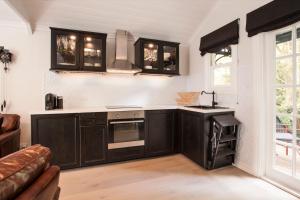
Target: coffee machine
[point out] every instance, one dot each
(50, 101)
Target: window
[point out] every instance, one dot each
(286, 134)
(223, 70)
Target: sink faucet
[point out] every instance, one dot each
(213, 103)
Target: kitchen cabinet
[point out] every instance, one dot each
(159, 132)
(73, 50)
(60, 133)
(93, 142)
(193, 136)
(75, 140)
(78, 140)
(157, 56)
(195, 130)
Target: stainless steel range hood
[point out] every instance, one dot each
(121, 64)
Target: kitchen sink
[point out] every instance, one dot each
(207, 107)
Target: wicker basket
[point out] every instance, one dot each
(187, 98)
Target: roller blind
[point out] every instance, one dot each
(272, 16)
(218, 39)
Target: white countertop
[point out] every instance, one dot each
(104, 109)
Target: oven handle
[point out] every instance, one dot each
(126, 122)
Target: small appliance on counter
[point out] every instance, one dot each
(53, 102)
(59, 102)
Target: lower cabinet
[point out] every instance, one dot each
(61, 134)
(75, 140)
(159, 132)
(81, 139)
(93, 145)
(195, 133)
(193, 137)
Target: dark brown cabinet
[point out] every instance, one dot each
(157, 57)
(74, 139)
(73, 50)
(82, 140)
(93, 142)
(93, 145)
(61, 134)
(159, 132)
(193, 136)
(196, 129)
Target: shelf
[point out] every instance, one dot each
(228, 138)
(225, 152)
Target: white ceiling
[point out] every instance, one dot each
(8, 16)
(175, 20)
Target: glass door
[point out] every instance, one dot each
(93, 52)
(284, 165)
(66, 47)
(170, 59)
(151, 57)
(126, 133)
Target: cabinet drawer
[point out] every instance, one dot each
(90, 119)
(124, 154)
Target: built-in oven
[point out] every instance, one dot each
(125, 129)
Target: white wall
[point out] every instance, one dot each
(29, 79)
(223, 13)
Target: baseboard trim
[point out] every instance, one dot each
(245, 168)
(292, 192)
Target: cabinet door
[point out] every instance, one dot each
(160, 132)
(93, 53)
(170, 63)
(191, 135)
(60, 134)
(65, 50)
(151, 56)
(93, 145)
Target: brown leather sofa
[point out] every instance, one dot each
(9, 134)
(28, 175)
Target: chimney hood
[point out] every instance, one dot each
(121, 63)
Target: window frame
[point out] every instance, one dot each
(225, 89)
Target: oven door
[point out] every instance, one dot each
(126, 133)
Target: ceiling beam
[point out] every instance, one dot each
(19, 9)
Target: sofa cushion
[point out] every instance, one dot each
(20, 169)
(11, 122)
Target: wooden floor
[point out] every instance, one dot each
(172, 177)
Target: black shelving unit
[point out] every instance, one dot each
(223, 139)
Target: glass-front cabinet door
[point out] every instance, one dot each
(65, 50)
(170, 59)
(151, 56)
(157, 56)
(73, 50)
(93, 54)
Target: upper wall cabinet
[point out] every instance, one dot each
(157, 57)
(77, 50)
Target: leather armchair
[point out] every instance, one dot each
(28, 175)
(9, 134)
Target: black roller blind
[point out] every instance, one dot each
(221, 38)
(272, 16)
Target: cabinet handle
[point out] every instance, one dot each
(126, 122)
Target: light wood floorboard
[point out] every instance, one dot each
(173, 177)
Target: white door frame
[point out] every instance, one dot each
(266, 144)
